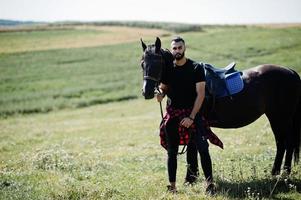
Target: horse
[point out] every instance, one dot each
(268, 89)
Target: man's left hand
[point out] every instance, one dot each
(186, 122)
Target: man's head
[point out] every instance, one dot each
(178, 48)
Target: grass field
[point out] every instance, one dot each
(60, 37)
(74, 126)
(112, 151)
(53, 79)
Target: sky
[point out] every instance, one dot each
(183, 11)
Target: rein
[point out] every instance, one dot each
(150, 78)
(184, 149)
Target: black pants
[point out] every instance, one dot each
(197, 143)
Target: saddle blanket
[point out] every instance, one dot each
(234, 84)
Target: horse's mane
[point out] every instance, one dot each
(168, 58)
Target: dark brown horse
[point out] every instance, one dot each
(268, 89)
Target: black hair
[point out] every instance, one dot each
(178, 39)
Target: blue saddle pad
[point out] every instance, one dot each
(234, 83)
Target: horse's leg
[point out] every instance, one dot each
(279, 156)
(288, 160)
(280, 145)
(283, 132)
(289, 146)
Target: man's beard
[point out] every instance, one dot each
(179, 56)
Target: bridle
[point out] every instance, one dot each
(149, 77)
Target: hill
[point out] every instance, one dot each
(5, 22)
(63, 67)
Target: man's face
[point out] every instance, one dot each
(178, 50)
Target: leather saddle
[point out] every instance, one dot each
(221, 72)
(221, 82)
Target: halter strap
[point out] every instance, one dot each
(150, 78)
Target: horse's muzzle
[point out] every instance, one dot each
(148, 95)
(148, 89)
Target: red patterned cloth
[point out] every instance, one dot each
(183, 132)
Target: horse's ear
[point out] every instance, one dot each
(143, 44)
(158, 44)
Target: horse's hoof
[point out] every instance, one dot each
(275, 172)
(286, 171)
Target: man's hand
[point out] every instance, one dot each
(162, 91)
(160, 97)
(186, 122)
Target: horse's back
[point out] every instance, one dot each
(280, 87)
(267, 89)
(273, 73)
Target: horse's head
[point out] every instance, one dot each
(152, 64)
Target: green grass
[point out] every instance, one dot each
(112, 151)
(49, 80)
(248, 46)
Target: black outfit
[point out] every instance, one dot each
(182, 94)
(182, 80)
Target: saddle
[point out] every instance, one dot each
(221, 82)
(221, 72)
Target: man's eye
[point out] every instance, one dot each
(175, 48)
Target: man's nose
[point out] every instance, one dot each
(177, 50)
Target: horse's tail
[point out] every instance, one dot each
(297, 125)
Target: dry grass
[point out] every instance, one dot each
(283, 25)
(36, 39)
(118, 34)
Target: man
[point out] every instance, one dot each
(184, 84)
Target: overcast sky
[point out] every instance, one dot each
(187, 11)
